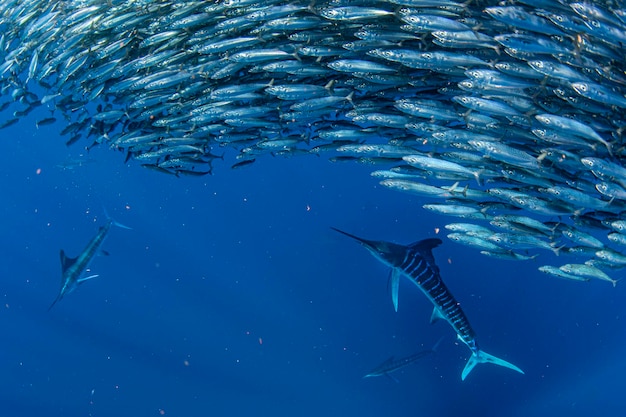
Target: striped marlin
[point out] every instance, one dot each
(73, 268)
(416, 262)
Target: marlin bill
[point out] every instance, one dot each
(72, 269)
(416, 262)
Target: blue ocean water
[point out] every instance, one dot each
(232, 296)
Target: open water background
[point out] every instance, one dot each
(232, 296)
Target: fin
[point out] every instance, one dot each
(436, 316)
(436, 345)
(557, 249)
(349, 235)
(121, 225)
(425, 248)
(426, 244)
(66, 262)
(81, 280)
(104, 253)
(452, 188)
(394, 280)
(483, 357)
(393, 378)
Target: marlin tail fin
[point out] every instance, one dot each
(483, 357)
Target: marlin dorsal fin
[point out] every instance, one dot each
(425, 248)
(66, 262)
(426, 245)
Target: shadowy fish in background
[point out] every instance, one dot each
(392, 364)
(72, 269)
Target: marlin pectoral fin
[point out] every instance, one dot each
(81, 280)
(436, 345)
(393, 378)
(115, 223)
(121, 225)
(103, 252)
(394, 286)
(483, 357)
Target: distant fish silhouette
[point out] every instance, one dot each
(416, 262)
(73, 268)
(392, 364)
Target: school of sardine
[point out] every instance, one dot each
(508, 114)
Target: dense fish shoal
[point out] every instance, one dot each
(508, 115)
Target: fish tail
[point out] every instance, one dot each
(482, 357)
(609, 147)
(556, 249)
(477, 175)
